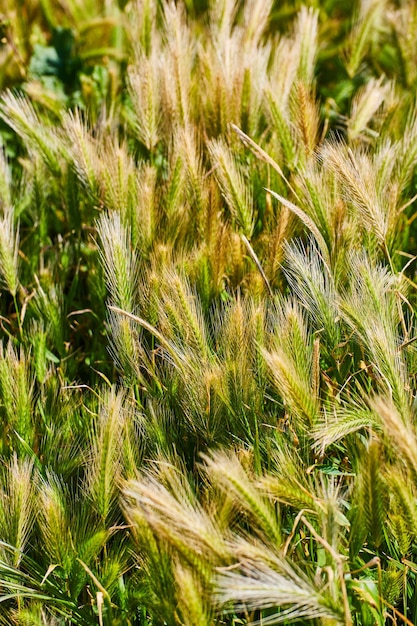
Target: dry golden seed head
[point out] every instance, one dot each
(306, 117)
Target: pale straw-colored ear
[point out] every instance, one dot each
(144, 86)
(165, 501)
(83, 152)
(225, 470)
(358, 177)
(255, 21)
(367, 102)
(176, 65)
(17, 508)
(399, 429)
(372, 308)
(264, 581)
(39, 136)
(235, 189)
(306, 38)
(119, 260)
(105, 457)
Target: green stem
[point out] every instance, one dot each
(19, 321)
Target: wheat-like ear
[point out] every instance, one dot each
(295, 392)
(17, 507)
(119, 261)
(18, 112)
(341, 420)
(129, 190)
(83, 152)
(5, 181)
(332, 510)
(192, 601)
(222, 16)
(294, 338)
(127, 350)
(403, 506)
(177, 64)
(307, 221)
(358, 177)
(17, 394)
(290, 91)
(172, 511)
(283, 74)
(142, 16)
(176, 207)
(403, 22)
(117, 176)
(255, 21)
(264, 580)
(306, 33)
(371, 308)
(144, 217)
(290, 359)
(181, 315)
(294, 59)
(53, 517)
(312, 282)
(370, 498)
(407, 150)
(104, 462)
(365, 29)
(48, 304)
(240, 334)
(320, 194)
(191, 154)
(9, 251)
(225, 470)
(306, 121)
(233, 185)
(400, 431)
(289, 483)
(235, 64)
(144, 88)
(365, 104)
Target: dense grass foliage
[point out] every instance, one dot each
(208, 366)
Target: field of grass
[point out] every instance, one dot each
(208, 292)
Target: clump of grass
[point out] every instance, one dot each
(207, 305)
